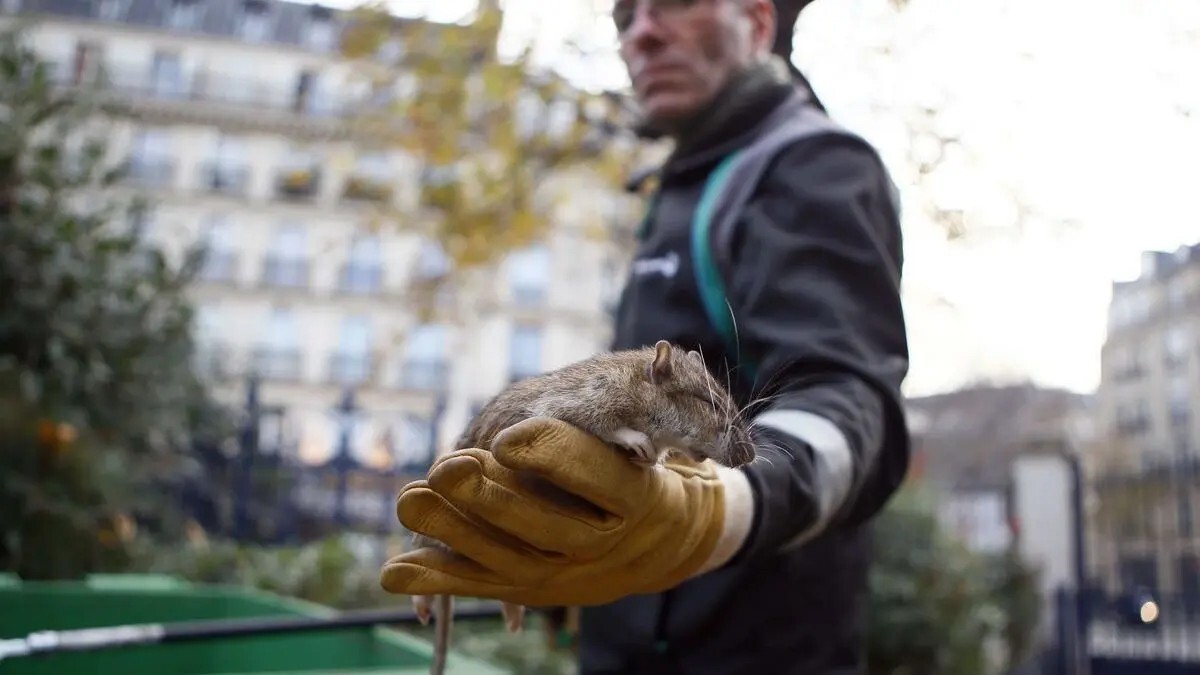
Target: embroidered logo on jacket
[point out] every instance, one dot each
(666, 265)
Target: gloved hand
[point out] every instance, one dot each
(555, 516)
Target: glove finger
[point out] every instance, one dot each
(574, 461)
(553, 528)
(433, 571)
(425, 511)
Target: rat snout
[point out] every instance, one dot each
(739, 447)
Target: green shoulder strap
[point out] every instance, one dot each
(708, 276)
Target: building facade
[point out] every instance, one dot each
(1150, 377)
(1146, 470)
(235, 130)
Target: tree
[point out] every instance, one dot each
(98, 401)
(936, 607)
(489, 134)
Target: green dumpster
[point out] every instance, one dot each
(26, 607)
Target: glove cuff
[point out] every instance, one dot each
(736, 520)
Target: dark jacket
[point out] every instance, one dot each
(815, 293)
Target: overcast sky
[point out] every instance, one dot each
(1074, 105)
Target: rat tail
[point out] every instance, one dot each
(443, 616)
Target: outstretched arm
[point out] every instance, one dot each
(815, 291)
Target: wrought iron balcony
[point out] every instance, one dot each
(528, 296)
(361, 279)
(350, 367)
(425, 375)
(212, 360)
(361, 189)
(226, 179)
(298, 184)
(281, 272)
(277, 363)
(219, 267)
(150, 172)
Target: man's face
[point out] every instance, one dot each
(679, 53)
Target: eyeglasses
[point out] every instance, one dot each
(625, 10)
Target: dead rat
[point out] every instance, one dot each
(648, 401)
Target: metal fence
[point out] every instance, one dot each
(259, 490)
(1137, 610)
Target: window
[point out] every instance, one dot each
(352, 361)
(363, 272)
(290, 243)
(313, 94)
(321, 33)
(278, 356)
(112, 10)
(416, 442)
(375, 166)
(281, 329)
(183, 14)
(1178, 340)
(425, 366)
(525, 351)
(1180, 401)
(208, 325)
(355, 336)
(228, 171)
(210, 355)
(166, 75)
(287, 263)
(88, 62)
(220, 261)
(151, 152)
(529, 276)
(432, 260)
(254, 21)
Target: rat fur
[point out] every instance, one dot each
(648, 401)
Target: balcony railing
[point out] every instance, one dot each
(212, 360)
(219, 267)
(276, 363)
(361, 279)
(285, 272)
(139, 81)
(298, 184)
(151, 172)
(349, 367)
(360, 189)
(425, 375)
(528, 296)
(225, 179)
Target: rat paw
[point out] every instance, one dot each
(638, 443)
(423, 604)
(514, 616)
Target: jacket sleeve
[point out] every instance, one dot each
(814, 287)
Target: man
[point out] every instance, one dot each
(694, 568)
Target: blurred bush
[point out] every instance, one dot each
(936, 607)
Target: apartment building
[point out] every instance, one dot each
(234, 128)
(1150, 377)
(1145, 496)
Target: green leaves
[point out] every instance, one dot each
(937, 608)
(486, 131)
(95, 337)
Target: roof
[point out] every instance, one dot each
(286, 23)
(969, 438)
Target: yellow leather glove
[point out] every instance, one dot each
(555, 516)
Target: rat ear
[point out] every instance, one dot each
(696, 355)
(660, 369)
